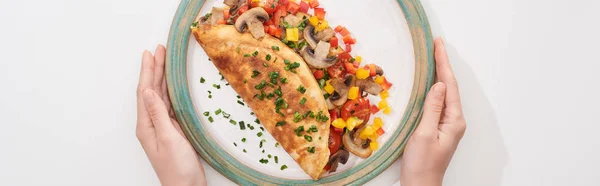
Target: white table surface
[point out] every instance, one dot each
(527, 71)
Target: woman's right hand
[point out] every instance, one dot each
(430, 148)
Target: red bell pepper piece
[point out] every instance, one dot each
(320, 13)
(348, 48)
(303, 7)
(334, 42)
(386, 85)
(293, 8)
(283, 2)
(374, 109)
(380, 132)
(281, 12)
(338, 28)
(372, 69)
(344, 57)
(349, 40)
(350, 68)
(314, 3)
(344, 32)
(319, 74)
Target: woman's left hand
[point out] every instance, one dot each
(171, 155)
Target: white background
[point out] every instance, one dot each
(527, 71)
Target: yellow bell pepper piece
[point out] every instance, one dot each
(374, 137)
(322, 26)
(387, 110)
(379, 79)
(382, 104)
(377, 123)
(358, 59)
(353, 93)
(362, 73)
(292, 34)
(339, 123)
(368, 131)
(374, 145)
(314, 21)
(353, 122)
(328, 88)
(385, 94)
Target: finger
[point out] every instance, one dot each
(445, 74)
(166, 98)
(159, 68)
(145, 82)
(434, 104)
(158, 113)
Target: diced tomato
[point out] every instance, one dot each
(319, 74)
(303, 7)
(270, 6)
(333, 114)
(253, 3)
(281, 12)
(293, 8)
(328, 166)
(336, 70)
(267, 28)
(350, 68)
(349, 40)
(335, 140)
(334, 42)
(221, 22)
(320, 13)
(361, 108)
(344, 57)
(226, 13)
(242, 10)
(338, 28)
(283, 2)
(314, 3)
(374, 109)
(372, 69)
(344, 32)
(348, 48)
(380, 132)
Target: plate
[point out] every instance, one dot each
(393, 34)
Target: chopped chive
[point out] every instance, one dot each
(251, 113)
(210, 96)
(250, 126)
(242, 125)
(268, 57)
(202, 80)
(226, 115)
(313, 129)
(222, 78)
(261, 128)
(265, 65)
(352, 60)
(283, 167)
(217, 86)
(209, 92)
(269, 156)
(259, 134)
(283, 80)
(311, 149)
(287, 62)
(210, 119)
(255, 53)
(246, 55)
(299, 130)
(206, 113)
(276, 48)
(240, 102)
(319, 137)
(245, 81)
(255, 73)
(238, 96)
(322, 83)
(278, 92)
(257, 121)
(280, 123)
(326, 95)
(243, 139)
(277, 144)
(218, 111)
(302, 101)
(226, 84)
(235, 144)
(260, 85)
(233, 122)
(301, 89)
(276, 159)
(275, 60)
(308, 138)
(264, 161)
(307, 114)
(237, 49)
(260, 145)
(297, 117)
(263, 151)
(244, 150)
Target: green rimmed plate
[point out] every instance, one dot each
(393, 34)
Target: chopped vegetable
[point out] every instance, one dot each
(380, 132)
(379, 79)
(293, 7)
(374, 109)
(334, 42)
(339, 123)
(322, 25)
(358, 59)
(206, 113)
(276, 48)
(349, 40)
(377, 123)
(313, 3)
(387, 110)
(302, 101)
(283, 167)
(353, 93)
(202, 80)
(314, 20)
(311, 149)
(368, 131)
(264, 161)
(362, 73)
(384, 94)
(320, 13)
(353, 122)
(374, 145)
(319, 74)
(382, 104)
(303, 7)
(292, 34)
(328, 88)
(349, 49)
(280, 123)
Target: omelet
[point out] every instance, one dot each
(278, 86)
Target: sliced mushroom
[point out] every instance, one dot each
(231, 3)
(292, 20)
(330, 105)
(302, 16)
(308, 35)
(317, 58)
(325, 35)
(368, 85)
(378, 70)
(234, 5)
(340, 96)
(216, 15)
(356, 145)
(253, 20)
(341, 156)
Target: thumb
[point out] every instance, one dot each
(158, 113)
(434, 104)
